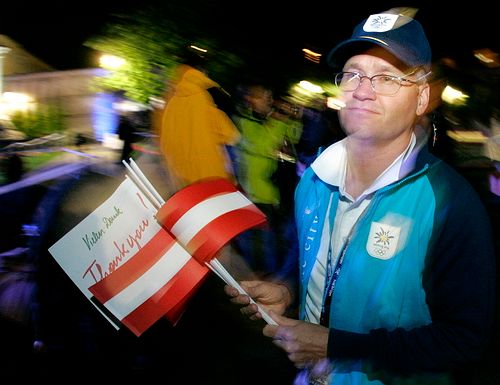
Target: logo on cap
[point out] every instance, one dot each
(381, 22)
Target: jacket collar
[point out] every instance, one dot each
(330, 165)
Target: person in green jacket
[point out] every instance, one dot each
(269, 129)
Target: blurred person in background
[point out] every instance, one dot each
(320, 129)
(269, 130)
(12, 167)
(195, 130)
(196, 138)
(125, 131)
(397, 265)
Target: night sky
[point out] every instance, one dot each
(55, 32)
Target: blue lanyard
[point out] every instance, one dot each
(332, 276)
(330, 283)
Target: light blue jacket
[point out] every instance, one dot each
(415, 293)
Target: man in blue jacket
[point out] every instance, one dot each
(397, 264)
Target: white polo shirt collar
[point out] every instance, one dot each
(331, 165)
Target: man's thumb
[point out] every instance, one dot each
(282, 320)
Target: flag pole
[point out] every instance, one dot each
(215, 265)
(142, 186)
(146, 181)
(221, 271)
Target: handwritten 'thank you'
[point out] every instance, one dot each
(107, 238)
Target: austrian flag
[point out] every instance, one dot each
(160, 278)
(205, 216)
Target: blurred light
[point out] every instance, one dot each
(112, 141)
(311, 55)
(17, 102)
(198, 49)
(467, 136)
(483, 58)
(334, 103)
(157, 102)
(3, 51)
(453, 96)
(17, 98)
(487, 57)
(111, 62)
(311, 87)
(129, 105)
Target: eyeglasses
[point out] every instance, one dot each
(381, 84)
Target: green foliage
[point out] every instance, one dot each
(142, 46)
(45, 120)
(37, 160)
(152, 45)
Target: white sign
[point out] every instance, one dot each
(107, 237)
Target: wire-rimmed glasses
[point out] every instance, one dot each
(381, 84)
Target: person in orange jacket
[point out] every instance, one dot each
(195, 131)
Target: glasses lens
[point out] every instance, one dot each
(385, 85)
(347, 81)
(381, 84)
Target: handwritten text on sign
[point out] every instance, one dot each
(107, 237)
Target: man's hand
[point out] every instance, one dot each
(271, 296)
(304, 342)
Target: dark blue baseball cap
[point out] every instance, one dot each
(401, 35)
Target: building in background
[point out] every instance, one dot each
(29, 83)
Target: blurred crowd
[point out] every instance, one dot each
(260, 140)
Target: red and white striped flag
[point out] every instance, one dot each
(163, 275)
(205, 216)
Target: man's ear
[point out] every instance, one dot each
(423, 99)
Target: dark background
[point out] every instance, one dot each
(273, 30)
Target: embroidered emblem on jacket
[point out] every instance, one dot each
(382, 240)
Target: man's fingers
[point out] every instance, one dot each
(249, 310)
(231, 291)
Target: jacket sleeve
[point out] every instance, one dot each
(459, 281)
